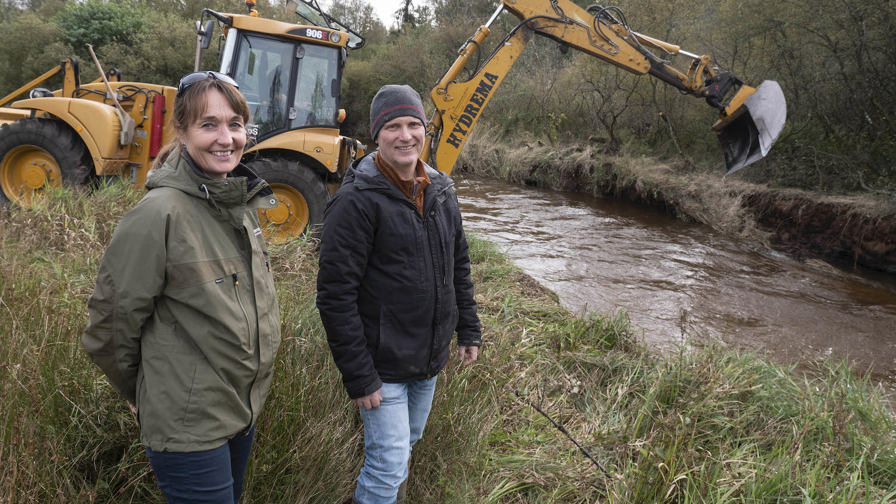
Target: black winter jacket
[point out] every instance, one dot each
(393, 286)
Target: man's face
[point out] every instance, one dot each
(400, 143)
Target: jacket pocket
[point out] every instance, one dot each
(168, 369)
(403, 349)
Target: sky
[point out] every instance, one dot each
(385, 9)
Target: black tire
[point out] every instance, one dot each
(36, 153)
(302, 197)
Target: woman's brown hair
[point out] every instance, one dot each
(190, 106)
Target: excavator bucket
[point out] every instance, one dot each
(750, 135)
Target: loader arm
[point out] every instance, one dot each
(748, 124)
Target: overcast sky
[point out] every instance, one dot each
(385, 9)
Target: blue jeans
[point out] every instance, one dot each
(390, 432)
(209, 477)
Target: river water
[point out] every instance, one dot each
(683, 282)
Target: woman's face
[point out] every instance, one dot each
(216, 139)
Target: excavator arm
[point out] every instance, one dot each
(750, 119)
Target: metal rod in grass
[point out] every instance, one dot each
(562, 429)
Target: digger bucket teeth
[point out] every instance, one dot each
(750, 135)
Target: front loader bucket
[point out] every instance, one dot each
(750, 135)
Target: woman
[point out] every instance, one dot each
(184, 319)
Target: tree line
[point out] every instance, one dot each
(832, 58)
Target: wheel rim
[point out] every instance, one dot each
(289, 218)
(25, 171)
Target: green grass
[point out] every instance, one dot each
(705, 425)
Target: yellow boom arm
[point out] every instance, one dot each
(599, 32)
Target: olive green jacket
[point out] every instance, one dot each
(184, 319)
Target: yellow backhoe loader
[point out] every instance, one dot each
(291, 76)
(750, 119)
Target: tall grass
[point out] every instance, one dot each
(699, 426)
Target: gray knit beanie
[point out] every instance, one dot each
(391, 101)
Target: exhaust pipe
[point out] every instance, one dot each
(747, 134)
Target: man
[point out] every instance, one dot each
(394, 285)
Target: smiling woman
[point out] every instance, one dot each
(185, 300)
(216, 140)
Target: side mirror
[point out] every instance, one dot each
(205, 33)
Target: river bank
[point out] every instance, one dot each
(710, 425)
(850, 231)
(685, 283)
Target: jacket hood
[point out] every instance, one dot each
(241, 186)
(364, 174)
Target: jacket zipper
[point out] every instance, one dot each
(441, 268)
(249, 323)
(239, 300)
(428, 225)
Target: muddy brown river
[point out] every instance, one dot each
(683, 282)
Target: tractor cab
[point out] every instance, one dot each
(290, 74)
(289, 84)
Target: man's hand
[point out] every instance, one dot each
(468, 354)
(369, 401)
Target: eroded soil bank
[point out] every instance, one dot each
(843, 230)
(849, 231)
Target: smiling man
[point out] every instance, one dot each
(393, 288)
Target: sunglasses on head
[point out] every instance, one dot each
(190, 79)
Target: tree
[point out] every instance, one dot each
(360, 17)
(467, 12)
(154, 58)
(100, 23)
(29, 46)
